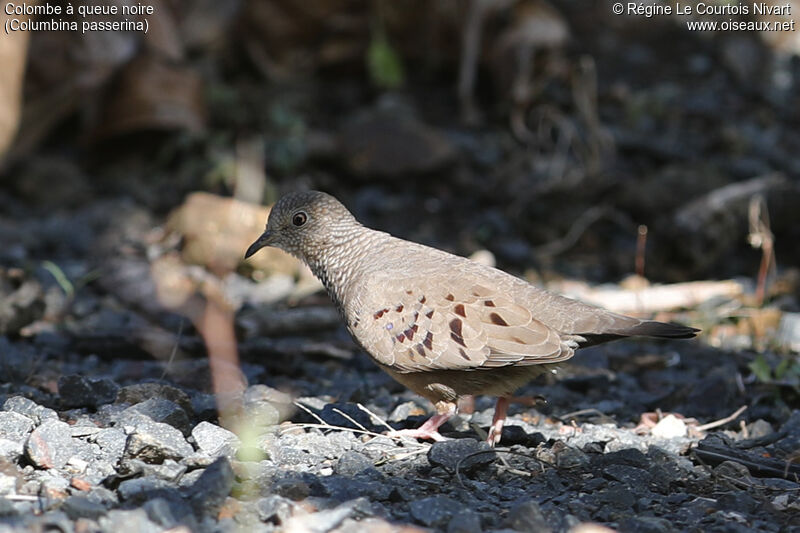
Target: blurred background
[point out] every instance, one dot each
(557, 140)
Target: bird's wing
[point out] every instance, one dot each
(423, 326)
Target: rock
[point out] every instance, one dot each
(215, 441)
(467, 521)
(527, 516)
(133, 521)
(82, 506)
(326, 520)
(352, 463)
(467, 454)
(14, 426)
(50, 445)
(139, 490)
(208, 493)
(404, 411)
(788, 335)
(170, 513)
(669, 427)
(275, 509)
(8, 484)
(292, 487)
(646, 524)
(435, 511)
(159, 410)
(141, 392)
(154, 442)
(29, 408)
(78, 391)
(636, 479)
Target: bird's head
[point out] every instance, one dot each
(305, 224)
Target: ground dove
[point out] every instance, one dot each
(441, 325)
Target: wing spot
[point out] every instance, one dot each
(421, 350)
(455, 329)
(450, 297)
(401, 337)
(422, 300)
(497, 319)
(428, 342)
(399, 308)
(459, 310)
(409, 292)
(380, 313)
(488, 303)
(463, 354)
(410, 332)
(429, 314)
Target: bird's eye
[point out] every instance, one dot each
(299, 218)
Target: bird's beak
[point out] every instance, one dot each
(265, 240)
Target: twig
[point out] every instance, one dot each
(309, 411)
(375, 417)
(722, 421)
(350, 418)
(174, 348)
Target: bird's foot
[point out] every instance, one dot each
(417, 434)
(429, 430)
(496, 429)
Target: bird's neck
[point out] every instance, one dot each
(339, 265)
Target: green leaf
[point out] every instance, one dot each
(760, 368)
(383, 63)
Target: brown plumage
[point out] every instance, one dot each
(441, 325)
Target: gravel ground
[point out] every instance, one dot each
(123, 444)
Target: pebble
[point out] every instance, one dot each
(50, 445)
(669, 427)
(215, 441)
(464, 454)
(435, 511)
(78, 391)
(155, 441)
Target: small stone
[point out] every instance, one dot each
(467, 521)
(435, 511)
(50, 445)
(120, 521)
(669, 427)
(11, 450)
(14, 426)
(208, 493)
(141, 489)
(29, 408)
(215, 441)
(527, 516)
(291, 487)
(352, 463)
(466, 454)
(404, 411)
(170, 512)
(82, 506)
(141, 392)
(159, 410)
(275, 509)
(8, 484)
(646, 524)
(154, 442)
(78, 391)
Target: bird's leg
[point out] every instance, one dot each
(497, 422)
(430, 429)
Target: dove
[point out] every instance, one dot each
(440, 324)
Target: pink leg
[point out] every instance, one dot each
(497, 422)
(428, 430)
